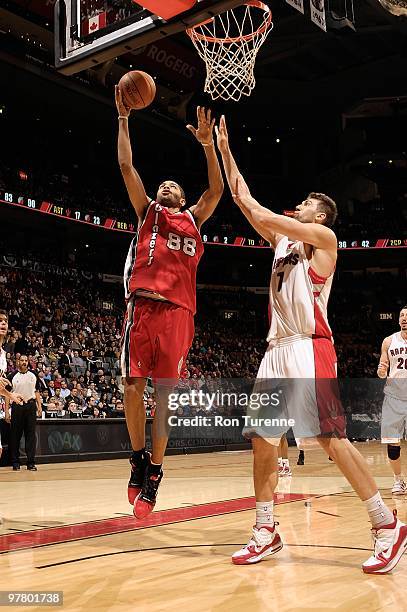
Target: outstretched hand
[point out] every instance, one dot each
(3, 383)
(241, 190)
(204, 132)
(122, 109)
(222, 136)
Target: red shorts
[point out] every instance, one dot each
(156, 339)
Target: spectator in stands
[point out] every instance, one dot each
(77, 362)
(91, 362)
(42, 356)
(74, 411)
(65, 392)
(64, 362)
(51, 386)
(81, 392)
(90, 405)
(119, 409)
(75, 397)
(55, 409)
(101, 386)
(95, 413)
(42, 382)
(92, 391)
(45, 399)
(103, 410)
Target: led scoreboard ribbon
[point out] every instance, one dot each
(71, 213)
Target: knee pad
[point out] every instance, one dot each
(393, 452)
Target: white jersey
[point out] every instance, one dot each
(3, 362)
(396, 384)
(298, 295)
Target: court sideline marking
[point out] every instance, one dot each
(103, 527)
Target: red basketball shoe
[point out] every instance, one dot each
(145, 502)
(138, 470)
(390, 542)
(264, 542)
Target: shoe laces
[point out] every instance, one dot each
(382, 539)
(260, 537)
(150, 485)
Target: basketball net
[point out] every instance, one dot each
(397, 7)
(228, 43)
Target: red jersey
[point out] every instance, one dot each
(164, 256)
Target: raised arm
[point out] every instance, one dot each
(232, 174)
(208, 201)
(319, 236)
(383, 366)
(132, 180)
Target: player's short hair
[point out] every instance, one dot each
(327, 206)
(4, 313)
(182, 191)
(404, 308)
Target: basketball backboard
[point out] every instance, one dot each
(90, 32)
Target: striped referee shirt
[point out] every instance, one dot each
(25, 385)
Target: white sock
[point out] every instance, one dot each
(264, 514)
(398, 477)
(280, 461)
(379, 513)
(286, 462)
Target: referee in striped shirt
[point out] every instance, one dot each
(24, 416)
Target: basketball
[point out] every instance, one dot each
(138, 89)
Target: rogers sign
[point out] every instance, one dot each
(160, 56)
(170, 61)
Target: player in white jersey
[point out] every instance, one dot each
(301, 347)
(393, 366)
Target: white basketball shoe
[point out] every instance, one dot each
(264, 542)
(399, 487)
(390, 542)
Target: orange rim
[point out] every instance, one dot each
(256, 3)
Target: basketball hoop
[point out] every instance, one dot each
(228, 43)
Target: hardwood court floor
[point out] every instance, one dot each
(69, 527)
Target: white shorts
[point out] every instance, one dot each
(394, 420)
(302, 370)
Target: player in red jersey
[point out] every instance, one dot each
(160, 286)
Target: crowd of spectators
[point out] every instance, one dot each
(72, 342)
(69, 324)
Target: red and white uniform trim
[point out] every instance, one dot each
(163, 257)
(300, 347)
(298, 295)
